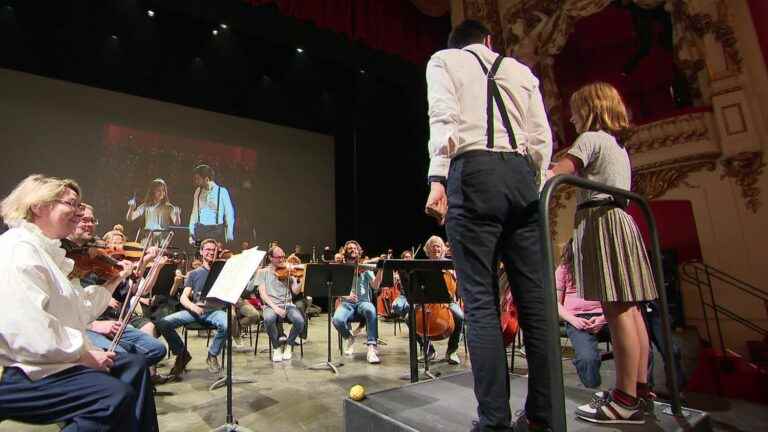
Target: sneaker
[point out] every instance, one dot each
(180, 365)
(647, 404)
(603, 409)
(350, 351)
(373, 356)
(277, 354)
(452, 357)
(287, 352)
(213, 364)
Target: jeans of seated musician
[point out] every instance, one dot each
(217, 318)
(292, 314)
(587, 358)
(133, 341)
(650, 311)
(355, 312)
(83, 399)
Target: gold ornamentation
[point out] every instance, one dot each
(669, 132)
(745, 168)
(654, 180)
(561, 196)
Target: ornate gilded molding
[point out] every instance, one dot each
(669, 132)
(654, 180)
(557, 203)
(745, 168)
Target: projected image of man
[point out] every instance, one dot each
(212, 215)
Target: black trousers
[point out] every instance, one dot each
(82, 398)
(492, 215)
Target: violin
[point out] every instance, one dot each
(439, 318)
(296, 271)
(92, 258)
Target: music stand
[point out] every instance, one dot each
(337, 280)
(425, 285)
(232, 278)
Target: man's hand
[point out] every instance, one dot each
(579, 323)
(114, 304)
(98, 359)
(106, 328)
(352, 297)
(437, 202)
(595, 324)
(197, 310)
(280, 311)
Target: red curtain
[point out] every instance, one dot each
(676, 226)
(393, 26)
(759, 9)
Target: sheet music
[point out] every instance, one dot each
(235, 275)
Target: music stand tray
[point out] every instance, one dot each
(423, 283)
(333, 280)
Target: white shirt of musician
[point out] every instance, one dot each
(456, 92)
(43, 315)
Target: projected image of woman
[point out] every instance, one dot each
(157, 209)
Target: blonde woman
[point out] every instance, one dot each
(52, 373)
(610, 261)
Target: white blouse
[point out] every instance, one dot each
(43, 315)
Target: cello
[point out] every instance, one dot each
(509, 323)
(436, 320)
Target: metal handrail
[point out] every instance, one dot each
(555, 359)
(729, 279)
(745, 322)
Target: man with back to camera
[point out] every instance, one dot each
(483, 184)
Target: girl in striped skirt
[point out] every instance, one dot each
(610, 261)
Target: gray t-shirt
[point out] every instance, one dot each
(277, 290)
(605, 161)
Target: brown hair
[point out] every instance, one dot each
(599, 106)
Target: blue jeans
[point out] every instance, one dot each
(292, 314)
(356, 311)
(133, 341)
(587, 360)
(217, 318)
(83, 399)
(652, 318)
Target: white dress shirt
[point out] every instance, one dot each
(205, 203)
(43, 315)
(456, 91)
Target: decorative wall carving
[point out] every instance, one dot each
(745, 168)
(557, 202)
(654, 180)
(670, 132)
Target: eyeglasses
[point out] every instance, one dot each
(278, 257)
(209, 249)
(72, 204)
(89, 220)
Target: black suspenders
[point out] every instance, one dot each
(494, 94)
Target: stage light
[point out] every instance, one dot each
(299, 50)
(114, 37)
(151, 13)
(215, 32)
(223, 26)
(362, 71)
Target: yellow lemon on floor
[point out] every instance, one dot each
(357, 392)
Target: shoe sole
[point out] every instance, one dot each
(619, 421)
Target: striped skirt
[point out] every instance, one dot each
(610, 260)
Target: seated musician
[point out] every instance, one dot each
(276, 293)
(102, 330)
(195, 310)
(52, 372)
(359, 305)
(435, 249)
(301, 301)
(584, 321)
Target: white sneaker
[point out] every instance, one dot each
(350, 351)
(453, 358)
(277, 354)
(373, 356)
(287, 352)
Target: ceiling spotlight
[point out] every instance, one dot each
(114, 37)
(223, 26)
(151, 13)
(215, 32)
(362, 71)
(299, 50)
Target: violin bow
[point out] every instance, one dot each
(134, 300)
